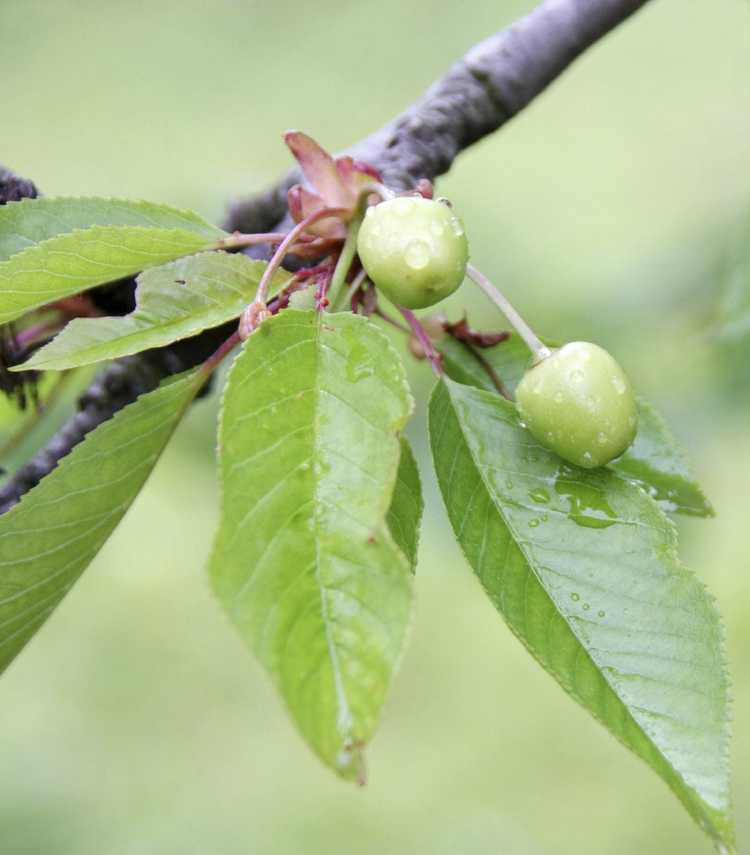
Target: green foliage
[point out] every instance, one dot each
(63, 246)
(30, 222)
(304, 562)
(174, 301)
(655, 461)
(509, 359)
(23, 432)
(405, 512)
(584, 568)
(50, 537)
(321, 502)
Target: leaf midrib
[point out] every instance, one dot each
(344, 713)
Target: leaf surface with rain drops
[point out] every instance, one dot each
(304, 562)
(583, 566)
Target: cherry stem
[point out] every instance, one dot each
(378, 187)
(213, 361)
(346, 257)
(346, 298)
(436, 361)
(283, 248)
(392, 321)
(350, 244)
(538, 349)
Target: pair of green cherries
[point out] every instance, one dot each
(575, 400)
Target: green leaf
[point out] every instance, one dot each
(24, 432)
(27, 223)
(77, 260)
(584, 568)
(50, 537)
(509, 360)
(405, 513)
(303, 561)
(655, 461)
(174, 301)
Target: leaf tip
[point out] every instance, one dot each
(350, 762)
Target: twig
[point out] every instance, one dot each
(436, 360)
(285, 245)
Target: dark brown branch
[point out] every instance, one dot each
(118, 385)
(13, 188)
(491, 84)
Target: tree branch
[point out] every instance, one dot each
(492, 83)
(13, 188)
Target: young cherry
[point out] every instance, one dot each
(414, 249)
(575, 400)
(578, 402)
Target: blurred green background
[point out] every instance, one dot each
(136, 723)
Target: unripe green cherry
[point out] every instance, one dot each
(414, 249)
(578, 402)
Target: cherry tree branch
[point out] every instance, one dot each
(493, 82)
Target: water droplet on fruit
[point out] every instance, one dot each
(576, 375)
(457, 226)
(619, 384)
(437, 228)
(587, 457)
(602, 439)
(417, 254)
